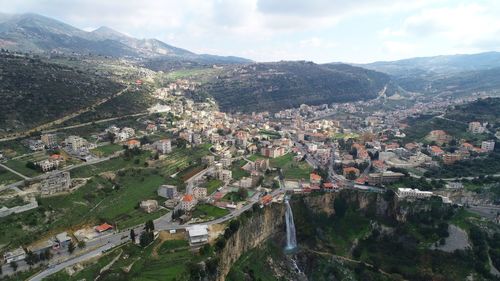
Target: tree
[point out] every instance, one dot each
(81, 244)
(351, 175)
(242, 193)
(146, 238)
(13, 264)
(149, 226)
(71, 247)
(132, 235)
(340, 206)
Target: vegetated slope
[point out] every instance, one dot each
(34, 91)
(457, 74)
(275, 86)
(483, 110)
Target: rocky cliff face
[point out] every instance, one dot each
(255, 230)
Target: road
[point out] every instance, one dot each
(15, 172)
(112, 240)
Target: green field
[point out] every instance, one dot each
(212, 185)
(20, 166)
(113, 164)
(208, 212)
(291, 169)
(173, 261)
(237, 171)
(98, 201)
(6, 177)
(106, 150)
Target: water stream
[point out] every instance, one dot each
(291, 239)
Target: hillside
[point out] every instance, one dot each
(53, 91)
(36, 33)
(275, 86)
(457, 74)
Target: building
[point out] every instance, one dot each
(438, 136)
(188, 202)
(413, 193)
(382, 178)
(225, 175)
(488, 145)
(272, 151)
(435, 150)
(208, 160)
(350, 170)
(450, 158)
(36, 145)
(454, 185)
(133, 144)
(50, 140)
(163, 146)
(75, 143)
(200, 193)
(103, 227)
(149, 206)
(197, 234)
(476, 128)
(167, 191)
(48, 165)
(314, 178)
(14, 256)
(55, 182)
(63, 239)
(261, 164)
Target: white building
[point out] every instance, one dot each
(75, 142)
(167, 191)
(476, 128)
(188, 202)
(488, 145)
(15, 255)
(197, 234)
(163, 146)
(149, 206)
(200, 193)
(413, 193)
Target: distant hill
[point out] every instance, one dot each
(36, 33)
(275, 86)
(34, 91)
(456, 74)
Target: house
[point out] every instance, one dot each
(36, 145)
(149, 206)
(133, 144)
(200, 193)
(435, 150)
(197, 234)
(75, 143)
(50, 140)
(476, 128)
(163, 146)
(167, 191)
(151, 128)
(48, 164)
(272, 151)
(245, 182)
(450, 158)
(350, 170)
(15, 255)
(41, 247)
(63, 239)
(438, 136)
(314, 178)
(208, 160)
(225, 175)
(103, 227)
(188, 202)
(488, 145)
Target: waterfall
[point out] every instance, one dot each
(291, 239)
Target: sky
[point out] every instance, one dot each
(356, 31)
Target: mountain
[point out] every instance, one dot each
(455, 74)
(438, 64)
(36, 33)
(54, 90)
(280, 85)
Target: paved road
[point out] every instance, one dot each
(115, 239)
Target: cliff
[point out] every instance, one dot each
(252, 232)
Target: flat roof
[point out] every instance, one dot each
(197, 230)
